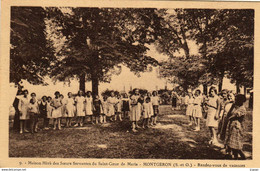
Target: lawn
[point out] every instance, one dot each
(171, 138)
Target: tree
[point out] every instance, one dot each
(31, 53)
(99, 40)
(225, 38)
(173, 33)
(182, 71)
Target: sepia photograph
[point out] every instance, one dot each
(133, 84)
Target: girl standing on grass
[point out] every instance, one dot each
(80, 111)
(125, 105)
(118, 108)
(89, 106)
(69, 108)
(197, 112)
(56, 112)
(97, 106)
(235, 128)
(63, 109)
(23, 108)
(103, 117)
(111, 101)
(189, 108)
(43, 112)
(155, 102)
(34, 113)
(49, 109)
(213, 105)
(147, 111)
(135, 110)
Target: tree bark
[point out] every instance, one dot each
(237, 88)
(185, 44)
(82, 81)
(245, 90)
(95, 84)
(205, 89)
(220, 84)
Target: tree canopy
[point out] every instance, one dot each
(98, 40)
(31, 54)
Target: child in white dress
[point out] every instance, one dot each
(189, 108)
(49, 108)
(69, 108)
(89, 106)
(147, 111)
(34, 113)
(197, 109)
(63, 109)
(155, 102)
(56, 112)
(118, 107)
(80, 111)
(111, 102)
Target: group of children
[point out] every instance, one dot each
(224, 114)
(85, 106)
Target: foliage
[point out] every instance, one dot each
(98, 40)
(31, 54)
(185, 72)
(225, 40)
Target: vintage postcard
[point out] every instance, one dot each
(154, 84)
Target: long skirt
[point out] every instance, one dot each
(235, 135)
(189, 110)
(56, 113)
(211, 121)
(111, 110)
(135, 113)
(197, 112)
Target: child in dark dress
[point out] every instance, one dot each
(126, 105)
(97, 108)
(43, 112)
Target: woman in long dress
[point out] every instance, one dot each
(80, 111)
(135, 110)
(189, 108)
(23, 107)
(213, 105)
(234, 139)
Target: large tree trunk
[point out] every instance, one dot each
(220, 84)
(95, 84)
(237, 88)
(205, 89)
(185, 44)
(82, 81)
(245, 90)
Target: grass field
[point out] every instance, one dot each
(171, 138)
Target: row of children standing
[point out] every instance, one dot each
(84, 107)
(224, 115)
